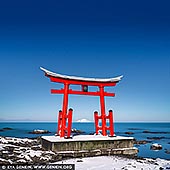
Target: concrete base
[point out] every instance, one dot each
(89, 145)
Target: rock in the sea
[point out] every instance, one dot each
(167, 151)
(155, 138)
(156, 146)
(7, 128)
(129, 133)
(76, 131)
(147, 131)
(91, 133)
(141, 142)
(39, 131)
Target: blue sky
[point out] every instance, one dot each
(85, 38)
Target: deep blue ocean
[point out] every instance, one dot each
(22, 129)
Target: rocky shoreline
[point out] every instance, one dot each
(29, 151)
(22, 151)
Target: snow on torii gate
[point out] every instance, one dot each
(64, 127)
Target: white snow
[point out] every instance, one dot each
(50, 73)
(6, 161)
(83, 120)
(44, 159)
(6, 140)
(27, 158)
(116, 163)
(39, 131)
(84, 138)
(3, 140)
(21, 161)
(156, 145)
(1, 146)
(1, 159)
(33, 153)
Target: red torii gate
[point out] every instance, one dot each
(64, 127)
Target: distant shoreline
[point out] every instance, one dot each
(13, 121)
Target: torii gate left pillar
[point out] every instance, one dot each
(65, 116)
(64, 110)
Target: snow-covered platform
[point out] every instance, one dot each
(89, 145)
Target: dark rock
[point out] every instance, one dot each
(36, 148)
(92, 133)
(23, 149)
(39, 132)
(23, 143)
(7, 128)
(129, 133)
(156, 146)
(147, 131)
(77, 132)
(18, 150)
(4, 162)
(167, 151)
(79, 160)
(142, 142)
(9, 148)
(36, 159)
(49, 157)
(155, 138)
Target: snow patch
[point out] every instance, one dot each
(84, 138)
(116, 163)
(83, 120)
(21, 161)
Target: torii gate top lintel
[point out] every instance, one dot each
(82, 80)
(64, 129)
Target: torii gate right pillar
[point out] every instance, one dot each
(103, 114)
(103, 117)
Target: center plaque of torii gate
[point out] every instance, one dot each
(65, 115)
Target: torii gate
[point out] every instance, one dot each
(64, 127)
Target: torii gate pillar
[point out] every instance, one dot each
(103, 114)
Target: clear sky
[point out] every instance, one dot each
(85, 38)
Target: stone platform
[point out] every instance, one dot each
(89, 145)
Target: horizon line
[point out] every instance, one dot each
(35, 121)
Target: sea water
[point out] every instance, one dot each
(161, 130)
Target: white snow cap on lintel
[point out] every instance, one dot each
(50, 73)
